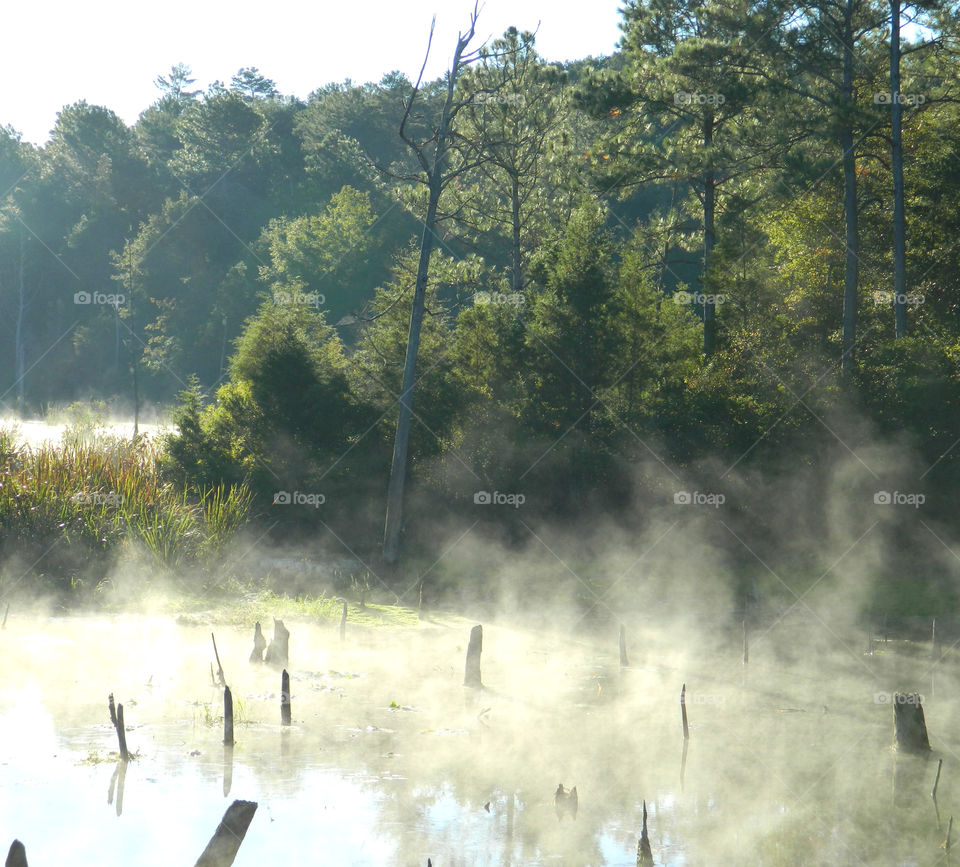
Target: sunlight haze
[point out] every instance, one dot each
(109, 53)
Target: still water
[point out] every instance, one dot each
(390, 760)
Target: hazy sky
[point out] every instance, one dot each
(109, 52)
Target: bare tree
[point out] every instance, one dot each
(442, 157)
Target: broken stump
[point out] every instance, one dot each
(17, 856)
(909, 726)
(472, 673)
(116, 717)
(225, 843)
(227, 717)
(278, 653)
(644, 853)
(285, 698)
(259, 644)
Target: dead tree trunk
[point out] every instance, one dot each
(909, 725)
(343, 622)
(432, 156)
(17, 856)
(624, 662)
(644, 853)
(851, 237)
(278, 653)
(472, 673)
(683, 712)
(227, 717)
(225, 843)
(896, 165)
(116, 717)
(259, 644)
(220, 674)
(285, 698)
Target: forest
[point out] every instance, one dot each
(698, 299)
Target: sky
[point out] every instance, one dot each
(109, 52)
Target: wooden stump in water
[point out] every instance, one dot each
(220, 675)
(116, 717)
(624, 662)
(566, 803)
(122, 734)
(343, 621)
(227, 717)
(259, 644)
(683, 712)
(278, 653)
(225, 843)
(644, 853)
(472, 673)
(17, 856)
(285, 698)
(909, 725)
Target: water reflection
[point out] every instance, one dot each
(392, 761)
(116, 782)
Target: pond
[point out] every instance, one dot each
(36, 433)
(390, 760)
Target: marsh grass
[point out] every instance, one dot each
(68, 510)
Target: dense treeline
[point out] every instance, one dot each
(667, 267)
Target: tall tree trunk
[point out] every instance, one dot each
(709, 237)
(19, 349)
(896, 139)
(515, 213)
(398, 468)
(847, 364)
(433, 163)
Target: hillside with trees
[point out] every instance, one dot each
(722, 262)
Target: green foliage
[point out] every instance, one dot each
(67, 513)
